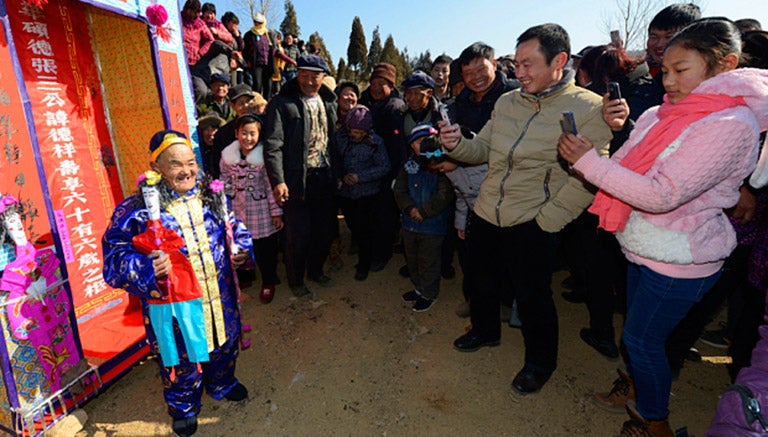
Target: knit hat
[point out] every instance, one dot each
(422, 129)
(210, 119)
(384, 71)
(312, 63)
(165, 139)
(359, 117)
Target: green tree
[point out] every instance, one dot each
(289, 24)
(392, 55)
(342, 72)
(317, 40)
(374, 52)
(356, 58)
(423, 62)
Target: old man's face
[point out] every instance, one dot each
(178, 166)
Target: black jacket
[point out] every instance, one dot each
(385, 115)
(286, 134)
(472, 116)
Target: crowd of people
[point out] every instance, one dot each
(654, 198)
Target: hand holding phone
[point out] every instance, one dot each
(614, 91)
(568, 123)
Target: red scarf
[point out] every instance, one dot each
(673, 119)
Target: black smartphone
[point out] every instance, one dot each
(568, 123)
(614, 91)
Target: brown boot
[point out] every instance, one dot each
(639, 427)
(615, 400)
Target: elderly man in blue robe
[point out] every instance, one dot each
(215, 244)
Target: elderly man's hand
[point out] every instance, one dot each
(450, 134)
(161, 262)
(281, 193)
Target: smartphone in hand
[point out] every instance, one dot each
(568, 123)
(614, 91)
(443, 108)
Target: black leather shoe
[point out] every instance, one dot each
(607, 348)
(574, 296)
(185, 426)
(237, 394)
(471, 342)
(528, 382)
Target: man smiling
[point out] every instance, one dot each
(526, 197)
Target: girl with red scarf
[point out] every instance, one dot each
(663, 195)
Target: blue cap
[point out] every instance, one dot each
(422, 129)
(220, 77)
(312, 63)
(419, 79)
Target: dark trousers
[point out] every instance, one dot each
(423, 257)
(309, 224)
(261, 76)
(362, 217)
(515, 262)
(265, 252)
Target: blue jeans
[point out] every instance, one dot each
(655, 305)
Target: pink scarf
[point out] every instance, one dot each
(673, 119)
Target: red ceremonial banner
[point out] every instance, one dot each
(62, 82)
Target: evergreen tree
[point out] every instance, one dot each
(391, 55)
(423, 62)
(342, 72)
(289, 24)
(356, 58)
(374, 53)
(317, 40)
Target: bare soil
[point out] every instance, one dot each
(359, 361)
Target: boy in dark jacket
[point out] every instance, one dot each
(424, 198)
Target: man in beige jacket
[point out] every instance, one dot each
(527, 197)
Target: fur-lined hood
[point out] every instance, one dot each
(231, 154)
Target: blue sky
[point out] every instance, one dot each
(449, 26)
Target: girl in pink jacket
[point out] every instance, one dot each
(663, 195)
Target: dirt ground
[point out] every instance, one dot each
(359, 361)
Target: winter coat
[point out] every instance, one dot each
(197, 39)
(526, 180)
(430, 193)
(285, 135)
(385, 115)
(466, 182)
(247, 185)
(677, 226)
(368, 160)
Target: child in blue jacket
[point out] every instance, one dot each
(424, 197)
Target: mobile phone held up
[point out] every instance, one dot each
(568, 123)
(616, 39)
(614, 91)
(443, 108)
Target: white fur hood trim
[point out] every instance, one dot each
(231, 154)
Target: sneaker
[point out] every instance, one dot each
(411, 296)
(302, 291)
(607, 348)
(422, 304)
(323, 281)
(715, 338)
(615, 401)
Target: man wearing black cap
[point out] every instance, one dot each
(191, 210)
(299, 140)
(217, 101)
